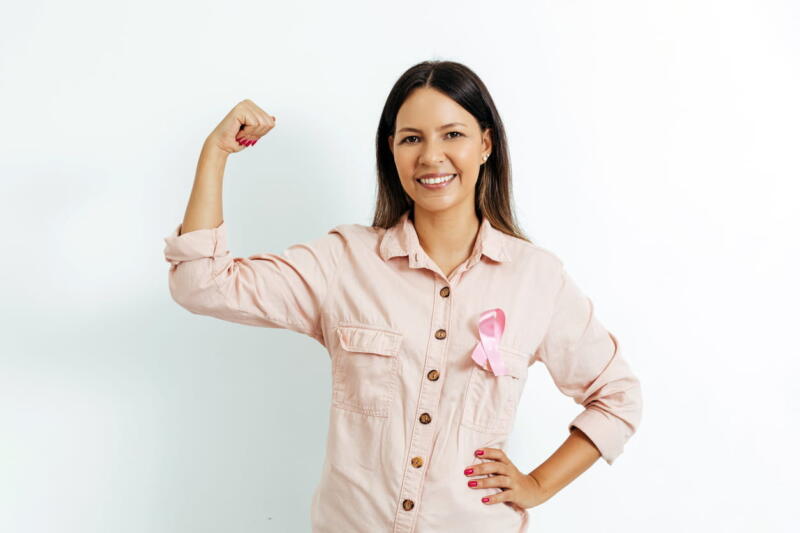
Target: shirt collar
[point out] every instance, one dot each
(401, 240)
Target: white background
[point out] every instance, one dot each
(654, 149)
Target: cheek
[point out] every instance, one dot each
(402, 159)
(469, 177)
(406, 169)
(467, 160)
(466, 152)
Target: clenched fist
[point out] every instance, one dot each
(243, 126)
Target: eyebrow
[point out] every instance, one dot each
(441, 128)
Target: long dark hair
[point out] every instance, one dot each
(493, 197)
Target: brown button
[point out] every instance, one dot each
(408, 505)
(441, 334)
(433, 375)
(425, 418)
(444, 291)
(416, 462)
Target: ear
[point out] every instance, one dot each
(391, 143)
(487, 140)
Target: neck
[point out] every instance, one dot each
(447, 234)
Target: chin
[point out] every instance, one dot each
(442, 205)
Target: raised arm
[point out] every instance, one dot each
(245, 124)
(271, 290)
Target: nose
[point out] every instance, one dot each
(432, 154)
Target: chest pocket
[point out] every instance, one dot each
(366, 369)
(490, 401)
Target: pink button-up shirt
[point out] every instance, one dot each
(409, 403)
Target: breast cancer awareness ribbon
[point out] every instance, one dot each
(491, 325)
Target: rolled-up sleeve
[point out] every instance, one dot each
(270, 290)
(585, 362)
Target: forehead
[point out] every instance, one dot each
(429, 108)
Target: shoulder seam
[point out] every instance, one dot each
(543, 250)
(335, 278)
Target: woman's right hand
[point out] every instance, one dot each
(243, 126)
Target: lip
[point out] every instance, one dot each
(434, 175)
(439, 185)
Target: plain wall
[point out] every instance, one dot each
(654, 148)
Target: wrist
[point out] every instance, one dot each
(212, 151)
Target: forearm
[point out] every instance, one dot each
(570, 460)
(204, 210)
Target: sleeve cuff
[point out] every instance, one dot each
(201, 243)
(600, 429)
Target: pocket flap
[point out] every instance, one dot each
(515, 362)
(369, 340)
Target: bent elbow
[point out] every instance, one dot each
(192, 286)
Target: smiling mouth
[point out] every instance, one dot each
(435, 181)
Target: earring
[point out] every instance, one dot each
(485, 156)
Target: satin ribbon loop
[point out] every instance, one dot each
(491, 325)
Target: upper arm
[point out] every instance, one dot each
(585, 361)
(273, 290)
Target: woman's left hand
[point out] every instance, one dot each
(520, 490)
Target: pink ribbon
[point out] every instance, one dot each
(491, 325)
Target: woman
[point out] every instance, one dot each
(431, 317)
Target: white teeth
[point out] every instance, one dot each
(433, 181)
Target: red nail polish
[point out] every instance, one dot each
(473, 483)
(484, 500)
(468, 471)
(479, 452)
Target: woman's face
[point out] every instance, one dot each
(435, 135)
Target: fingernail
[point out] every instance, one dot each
(484, 500)
(473, 483)
(468, 471)
(254, 142)
(479, 452)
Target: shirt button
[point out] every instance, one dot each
(444, 292)
(425, 418)
(408, 505)
(441, 334)
(416, 462)
(433, 375)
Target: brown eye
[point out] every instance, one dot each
(414, 136)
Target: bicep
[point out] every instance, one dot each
(273, 290)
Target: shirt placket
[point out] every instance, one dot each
(426, 411)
